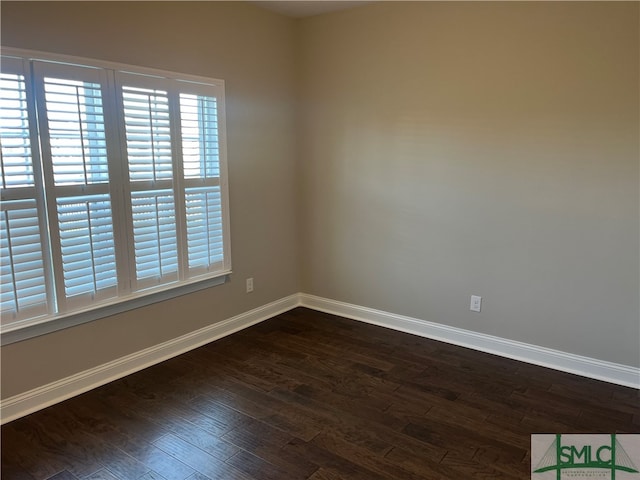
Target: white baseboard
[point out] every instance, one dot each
(42, 397)
(546, 357)
(55, 392)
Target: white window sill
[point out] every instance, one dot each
(19, 331)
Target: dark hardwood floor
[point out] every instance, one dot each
(312, 396)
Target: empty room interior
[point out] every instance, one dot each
(389, 240)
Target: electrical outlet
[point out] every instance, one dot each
(476, 303)
(249, 285)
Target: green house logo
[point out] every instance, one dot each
(585, 456)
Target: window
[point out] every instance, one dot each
(113, 185)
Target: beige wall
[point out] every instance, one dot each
(252, 50)
(452, 149)
(443, 149)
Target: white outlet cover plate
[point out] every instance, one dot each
(476, 303)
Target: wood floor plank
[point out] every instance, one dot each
(265, 441)
(152, 475)
(367, 432)
(11, 470)
(211, 464)
(326, 474)
(128, 433)
(259, 405)
(64, 475)
(259, 468)
(477, 424)
(248, 371)
(87, 447)
(365, 403)
(18, 453)
(330, 461)
(49, 431)
(414, 462)
(103, 474)
(325, 346)
(312, 396)
(364, 457)
(473, 469)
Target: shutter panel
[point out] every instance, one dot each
(149, 152)
(154, 232)
(17, 164)
(146, 117)
(87, 246)
(199, 129)
(74, 149)
(24, 291)
(22, 277)
(76, 131)
(204, 228)
(203, 200)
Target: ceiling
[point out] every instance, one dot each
(299, 8)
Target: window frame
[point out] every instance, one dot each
(189, 84)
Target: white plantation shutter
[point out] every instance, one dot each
(75, 124)
(24, 290)
(154, 236)
(113, 186)
(204, 228)
(148, 135)
(203, 199)
(75, 163)
(200, 142)
(149, 153)
(177, 206)
(17, 164)
(24, 285)
(87, 245)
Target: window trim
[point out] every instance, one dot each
(29, 328)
